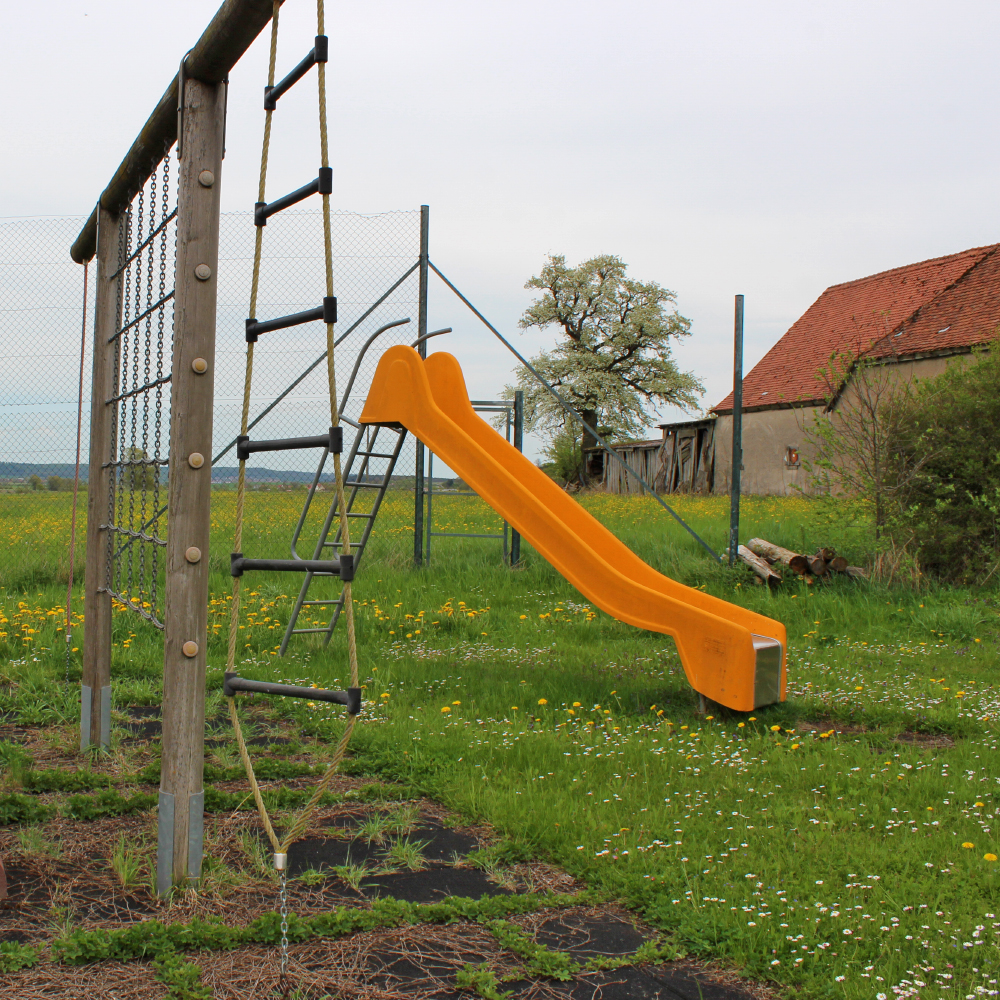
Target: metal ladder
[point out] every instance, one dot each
(364, 448)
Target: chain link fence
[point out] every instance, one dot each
(41, 312)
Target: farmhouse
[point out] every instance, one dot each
(917, 318)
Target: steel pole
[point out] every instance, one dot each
(418, 479)
(515, 537)
(737, 460)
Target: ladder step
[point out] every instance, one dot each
(342, 567)
(263, 210)
(319, 54)
(314, 604)
(232, 683)
(333, 441)
(327, 312)
(375, 454)
(308, 631)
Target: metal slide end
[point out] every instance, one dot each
(280, 862)
(353, 700)
(226, 678)
(767, 671)
(236, 564)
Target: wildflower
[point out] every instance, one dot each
(708, 718)
(513, 708)
(989, 857)
(456, 703)
(978, 804)
(968, 845)
(753, 718)
(543, 701)
(445, 709)
(576, 704)
(740, 725)
(523, 617)
(795, 746)
(775, 729)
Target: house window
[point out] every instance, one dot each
(792, 460)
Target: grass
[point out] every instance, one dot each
(818, 843)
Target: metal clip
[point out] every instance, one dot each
(280, 862)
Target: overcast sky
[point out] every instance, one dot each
(766, 148)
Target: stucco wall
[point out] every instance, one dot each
(767, 434)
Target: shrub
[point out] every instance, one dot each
(951, 436)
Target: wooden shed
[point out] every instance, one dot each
(680, 461)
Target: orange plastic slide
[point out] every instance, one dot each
(730, 655)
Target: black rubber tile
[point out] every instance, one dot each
(433, 885)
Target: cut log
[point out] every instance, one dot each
(857, 572)
(759, 566)
(828, 555)
(838, 564)
(3, 881)
(817, 564)
(775, 553)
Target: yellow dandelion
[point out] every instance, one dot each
(968, 845)
(456, 703)
(576, 704)
(740, 725)
(543, 701)
(775, 729)
(445, 709)
(989, 857)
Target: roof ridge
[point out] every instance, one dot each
(984, 252)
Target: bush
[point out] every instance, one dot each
(951, 436)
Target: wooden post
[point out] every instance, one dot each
(418, 479)
(95, 691)
(189, 491)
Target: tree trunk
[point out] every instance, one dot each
(588, 441)
(775, 553)
(838, 564)
(817, 564)
(759, 566)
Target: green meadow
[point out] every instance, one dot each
(841, 844)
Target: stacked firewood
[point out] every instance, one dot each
(767, 559)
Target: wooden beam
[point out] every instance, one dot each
(189, 497)
(95, 694)
(231, 32)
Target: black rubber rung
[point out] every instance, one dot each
(262, 211)
(319, 53)
(342, 566)
(232, 683)
(255, 327)
(333, 440)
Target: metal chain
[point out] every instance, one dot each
(284, 931)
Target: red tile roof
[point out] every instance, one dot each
(948, 303)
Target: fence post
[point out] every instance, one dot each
(95, 691)
(737, 459)
(515, 538)
(189, 496)
(418, 481)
